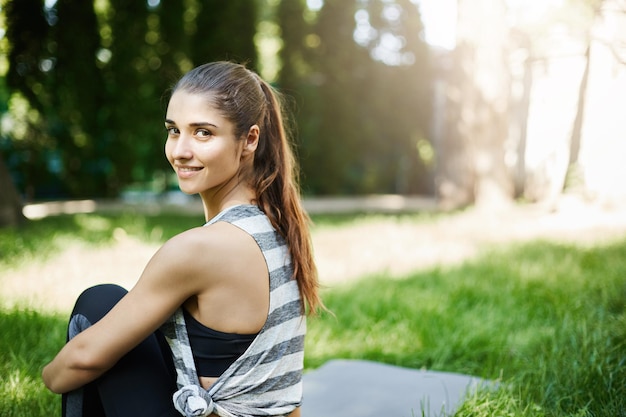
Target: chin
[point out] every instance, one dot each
(190, 192)
(187, 190)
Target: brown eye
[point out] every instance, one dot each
(203, 133)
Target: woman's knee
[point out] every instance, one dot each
(95, 302)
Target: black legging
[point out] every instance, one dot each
(140, 384)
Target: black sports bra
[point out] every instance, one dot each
(214, 351)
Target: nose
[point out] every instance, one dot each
(180, 147)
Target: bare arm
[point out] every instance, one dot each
(168, 280)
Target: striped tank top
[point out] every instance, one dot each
(267, 379)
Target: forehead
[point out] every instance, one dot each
(184, 106)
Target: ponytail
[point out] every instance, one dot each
(278, 194)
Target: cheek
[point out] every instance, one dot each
(168, 150)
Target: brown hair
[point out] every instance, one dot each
(245, 99)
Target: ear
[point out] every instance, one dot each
(251, 141)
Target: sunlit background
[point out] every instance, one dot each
(508, 113)
(465, 102)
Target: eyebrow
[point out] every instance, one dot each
(194, 124)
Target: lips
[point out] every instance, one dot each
(186, 171)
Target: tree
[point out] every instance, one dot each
(77, 104)
(28, 79)
(583, 33)
(294, 54)
(224, 31)
(27, 32)
(373, 100)
(332, 162)
(574, 176)
(402, 98)
(90, 107)
(595, 169)
(472, 163)
(296, 80)
(87, 79)
(172, 46)
(10, 202)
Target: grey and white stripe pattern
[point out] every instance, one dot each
(267, 379)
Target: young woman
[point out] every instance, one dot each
(227, 300)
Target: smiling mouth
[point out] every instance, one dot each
(189, 169)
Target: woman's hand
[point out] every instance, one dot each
(168, 280)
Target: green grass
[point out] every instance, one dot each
(548, 321)
(27, 341)
(39, 239)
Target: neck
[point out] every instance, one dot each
(214, 204)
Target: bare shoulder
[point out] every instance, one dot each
(211, 249)
(212, 241)
(200, 260)
(226, 277)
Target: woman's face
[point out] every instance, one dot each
(201, 146)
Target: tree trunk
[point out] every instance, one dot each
(476, 139)
(574, 179)
(10, 202)
(521, 86)
(454, 178)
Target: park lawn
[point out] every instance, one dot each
(546, 320)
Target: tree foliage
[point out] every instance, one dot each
(362, 71)
(91, 77)
(27, 31)
(87, 81)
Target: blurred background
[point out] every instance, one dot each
(509, 113)
(481, 102)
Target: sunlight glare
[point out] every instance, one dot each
(439, 19)
(314, 5)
